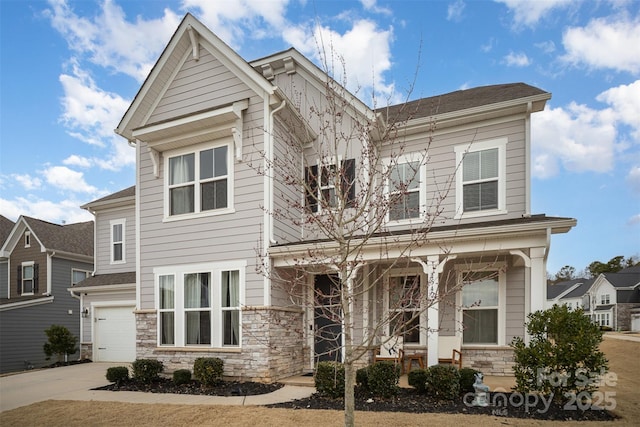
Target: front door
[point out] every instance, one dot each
(327, 318)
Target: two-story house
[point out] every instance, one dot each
(108, 295)
(613, 300)
(211, 132)
(40, 260)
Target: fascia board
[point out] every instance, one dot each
(103, 288)
(108, 204)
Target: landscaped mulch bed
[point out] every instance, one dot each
(165, 385)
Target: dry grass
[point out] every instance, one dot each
(623, 357)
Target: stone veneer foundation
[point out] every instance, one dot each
(271, 349)
(496, 361)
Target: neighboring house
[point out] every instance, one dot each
(40, 260)
(108, 295)
(199, 122)
(613, 300)
(569, 292)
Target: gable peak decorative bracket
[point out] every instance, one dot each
(195, 45)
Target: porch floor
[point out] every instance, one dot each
(495, 383)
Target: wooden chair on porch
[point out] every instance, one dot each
(449, 350)
(391, 349)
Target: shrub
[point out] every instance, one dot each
(467, 379)
(208, 370)
(181, 376)
(117, 374)
(443, 382)
(562, 355)
(147, 370)
(383, 378)
(418, 380)
(61, 342)
(362, 377)
(329, 380)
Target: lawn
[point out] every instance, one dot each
(623, 360)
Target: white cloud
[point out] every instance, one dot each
(28, 182)
(66, 211)
(255, 17)
(633, 179)
(516, 59)
(75, 160)
(529, 12)
(110, 41)
(625, 102)
(635, 219)
(67, 179)
(605, 43)
(364, 51)
(547, 47)
(455, 10)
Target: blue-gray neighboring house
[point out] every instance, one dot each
(39, 260)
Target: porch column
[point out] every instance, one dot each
(538, 278)
(432, 310)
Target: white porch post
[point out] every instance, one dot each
(432, 310)
(538, 279)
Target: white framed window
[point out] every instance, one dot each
(27, 239)
(117, 241)
(482, 306)
(406, 187)
(78, 276)
(323, 182)
(28, 278)
(605, 299)
(603, 319)
(199, 181)
(200, 305)
(403, 294)
(481, 178)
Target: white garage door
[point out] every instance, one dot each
(115, 334)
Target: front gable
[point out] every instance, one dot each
(601, 289)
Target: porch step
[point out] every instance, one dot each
(299, 380)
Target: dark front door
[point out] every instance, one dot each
(328, 325)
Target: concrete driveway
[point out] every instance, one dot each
(67, 382)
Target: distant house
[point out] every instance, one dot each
(38, 262)
(108, 296)
(614, 300)
(203, 233)
(568, 292)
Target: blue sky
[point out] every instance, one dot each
(69, 70)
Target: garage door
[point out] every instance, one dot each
(115, 334)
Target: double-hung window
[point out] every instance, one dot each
(28, 278)
(198, 181)
(117, 241)
(605, 299)
(329, 184)
(405, 186)
(78, 276)
(482, 312)
(200, 305)
(480, 179)
(404, 306)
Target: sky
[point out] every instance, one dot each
(70, 69)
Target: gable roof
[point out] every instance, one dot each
(122, 197)
(6, 225)
(69, 238)
(582, 289)
(190, 34)
(625, 278)
(556, 290)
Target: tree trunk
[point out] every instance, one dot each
(349, 395)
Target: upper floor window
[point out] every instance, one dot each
(329, 184)
(198, 181)
(78, 276)
(405, 188)
(605, 299)
(27, 239)
(117, 241)
(27, 278)
(200, 306)
(480, 179)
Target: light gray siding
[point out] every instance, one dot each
(103, 240)
(515, 303)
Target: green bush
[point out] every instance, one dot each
(61, 342)
(362, 377)
(147, 370)
(443, 382)
(329, 379)
(467, 379)
(208, 370)
(117, 374)
(383, 378)
(418, 380)
(562, 355)
(181, 376)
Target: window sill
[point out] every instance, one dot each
(480, 214)
(199, 215)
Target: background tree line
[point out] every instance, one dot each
(594, 269)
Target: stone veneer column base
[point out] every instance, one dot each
(272, 346)
(496, 361)
(86, 350)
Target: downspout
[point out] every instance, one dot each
(527, 143)
(270, 150)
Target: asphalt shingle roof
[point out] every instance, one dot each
(108, 279)
(6, 225)
(73, 238)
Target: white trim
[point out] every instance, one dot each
(422, 321)
(461, 151)
(33, 279)
(421, 158)
(27, 239)
(112, 223)
(28, 303)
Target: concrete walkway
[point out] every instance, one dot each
(75, 383)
